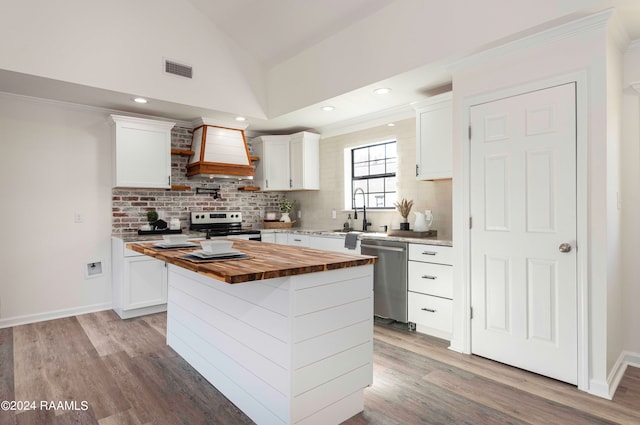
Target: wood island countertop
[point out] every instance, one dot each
(267, 260)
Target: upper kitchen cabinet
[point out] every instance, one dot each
(304, 160)
(434, 138)
(272, 171)
(142, 156)
(288, 162)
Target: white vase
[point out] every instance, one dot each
(285, 217)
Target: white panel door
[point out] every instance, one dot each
(523, 206)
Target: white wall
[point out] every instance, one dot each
(55, 160)
(615, 290)
(631, 199)
(120, 45)
(553, 56)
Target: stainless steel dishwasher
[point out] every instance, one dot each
(389, 278)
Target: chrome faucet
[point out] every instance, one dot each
(365, 223)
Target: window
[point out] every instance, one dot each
(373, 169)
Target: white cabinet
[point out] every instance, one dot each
(287, 162)
(329, 243)
(142, 153)
(268, 237)
(304, 161)
(139, 283)
(434, 138)
(281, 238)
(430, 285)
(297, 239)
(272, 170)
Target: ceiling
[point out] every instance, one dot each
(272, 32)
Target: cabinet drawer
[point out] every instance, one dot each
(431, 253)
(297, 239)
(431, 279)
(431, 312)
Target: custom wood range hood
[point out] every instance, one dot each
(219, 151)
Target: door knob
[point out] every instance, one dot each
(565, 247)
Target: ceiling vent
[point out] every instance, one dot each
(175, 68)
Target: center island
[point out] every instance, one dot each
(286, 334)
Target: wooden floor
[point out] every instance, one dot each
(113, 371)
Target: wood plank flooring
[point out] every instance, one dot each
(125, 373)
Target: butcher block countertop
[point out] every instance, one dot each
(266, 260)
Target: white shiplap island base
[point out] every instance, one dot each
(288, 350)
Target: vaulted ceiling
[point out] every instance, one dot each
(277, 62)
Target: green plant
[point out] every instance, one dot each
(286, 205)
(152, 216)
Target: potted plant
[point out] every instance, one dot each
(285, 208)
(404, 208)
(152, 217)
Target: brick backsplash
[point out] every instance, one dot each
(130, 206)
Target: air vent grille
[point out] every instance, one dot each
(179, 69)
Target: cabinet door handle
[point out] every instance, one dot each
(429, 253)
(426, 276)
(430, 310)
(297, 240)
(169, 180)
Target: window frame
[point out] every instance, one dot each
(368, 177)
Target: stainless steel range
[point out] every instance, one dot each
(222, 224)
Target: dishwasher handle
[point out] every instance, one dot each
(383, 248)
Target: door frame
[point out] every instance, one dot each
(462, 341)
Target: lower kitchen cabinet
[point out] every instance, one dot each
(330, 243)
(281, 238)
(297, 239)
(432, 315)
(268, 237)
(430, 285)
(139, 283)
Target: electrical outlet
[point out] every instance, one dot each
(334, 215)
(78, 217)
(299, 214)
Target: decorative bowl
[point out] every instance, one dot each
(216, 246)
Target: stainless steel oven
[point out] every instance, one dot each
(222, 224)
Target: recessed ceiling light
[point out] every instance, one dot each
(382, 90)
(391, 124)
(140, 100)
(328, 108)
(241, 119)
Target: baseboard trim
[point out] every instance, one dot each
(607, 390)
(51, 315)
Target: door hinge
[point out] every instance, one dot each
(470, 222)
(417, 168)
(266, 183)
(470, 312)
(290, 183)
(469, 132)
